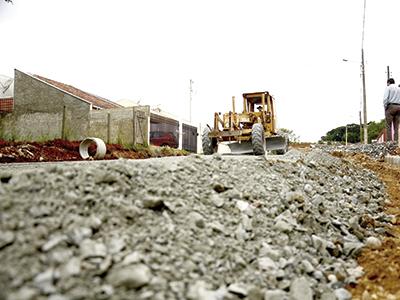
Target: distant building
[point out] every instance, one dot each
(167, 129)
(96, 101)
(6, 94)
(45, 109)
(38, 108)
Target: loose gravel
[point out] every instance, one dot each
(374, 150)
(197, 227)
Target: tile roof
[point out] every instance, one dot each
(98, 102)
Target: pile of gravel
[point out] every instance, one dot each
(375, 150)
(193, 227)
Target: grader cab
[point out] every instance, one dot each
(252, 131)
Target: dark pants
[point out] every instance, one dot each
(392, 115)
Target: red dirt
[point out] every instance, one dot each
(62, 150)
(381, 279)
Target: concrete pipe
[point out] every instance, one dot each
(100, 148)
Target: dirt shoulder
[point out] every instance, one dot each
(381, 279)
(61, 150)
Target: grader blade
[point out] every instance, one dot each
(240, 148)
(276, 143)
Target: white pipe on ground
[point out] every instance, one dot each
(100, 148)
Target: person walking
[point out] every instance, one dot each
(391, 103)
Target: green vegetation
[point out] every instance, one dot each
(155, 151)
(138, 147)
(353, 132)
(374, 129)
(166, 151)
(8, 135)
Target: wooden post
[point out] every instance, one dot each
(133, 126)
(108, 128)
(63, 123)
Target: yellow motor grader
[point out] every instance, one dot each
(252, 131)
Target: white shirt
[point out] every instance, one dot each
(392, 95)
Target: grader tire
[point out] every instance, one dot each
(206, 142)
(257, 139)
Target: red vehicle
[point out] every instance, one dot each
(159, 138)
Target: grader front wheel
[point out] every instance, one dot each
(207, 143)
(258, 139)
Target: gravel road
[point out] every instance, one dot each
(21, 167)
(196, 227)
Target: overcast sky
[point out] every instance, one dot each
(149, 50)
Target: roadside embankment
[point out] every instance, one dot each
(194, 227)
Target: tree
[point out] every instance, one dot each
(353, 132)
(339, 134)
(9, 1)
(375, 129)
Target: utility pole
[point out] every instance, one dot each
(190, 100)
(388, 72)
(361, 127)
(363, 81)
(364, 98)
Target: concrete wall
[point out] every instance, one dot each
(125, 126)
(30, 127)
(43, 112)
(39, 112)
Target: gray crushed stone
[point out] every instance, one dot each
(190, 228)
(375, 150)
